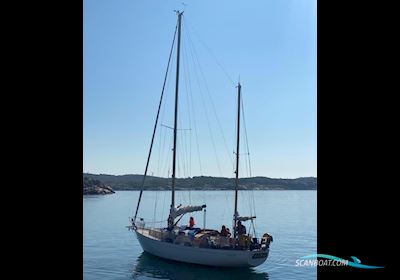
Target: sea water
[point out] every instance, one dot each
(111, 251)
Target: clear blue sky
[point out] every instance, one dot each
(271, 44)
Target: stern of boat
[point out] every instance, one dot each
(258, 257)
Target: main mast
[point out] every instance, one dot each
(235, 214)
(176, 110)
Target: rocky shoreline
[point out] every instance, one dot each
(92, 186)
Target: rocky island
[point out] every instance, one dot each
(93, 186)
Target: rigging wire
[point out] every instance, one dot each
(163, 207)
(159, 150)
(246, 138)
(167, 163)
(155, 206)
(210, 52)
(253, 210)
(204, 108)
(163, 131)
(247, 162)
(182, 156)
(190, 98)
(155, 127)
(163, 155)
(164, 106)
(186, 75)
(211, 101)
(186, 162)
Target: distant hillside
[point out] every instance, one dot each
(133, 182)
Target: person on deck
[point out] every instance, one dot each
(191, 222)
(241, 229)
(224, 232)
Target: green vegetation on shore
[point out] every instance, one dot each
(133, 182)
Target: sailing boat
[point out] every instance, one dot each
(196, 245)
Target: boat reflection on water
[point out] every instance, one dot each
(149, 266)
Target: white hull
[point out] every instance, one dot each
(203, 256)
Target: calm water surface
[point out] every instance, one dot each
(110, 251)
